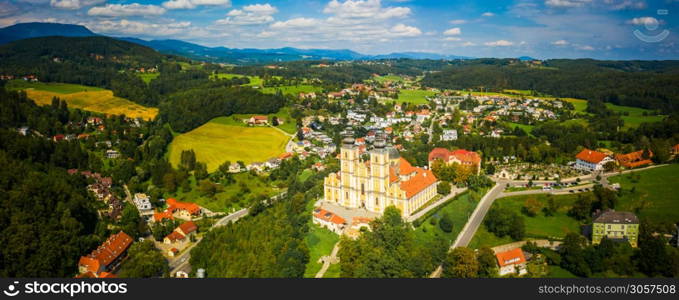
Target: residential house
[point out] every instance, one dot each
(112, 154)
(160, 216)
(183, 210)
(258, 120)
(617, 226)
(590, 160)
(634, 159)
(173, 238)
(511, 262)
(143, 204)
(107, 256)
(449, 135)
(187, 228)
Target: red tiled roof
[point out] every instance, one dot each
(419, 182)
(173, 205)
(188, 227)
(510, 257)
(329, 217)
(108, 252)
(158, 217)
(175, 236)
(464, 156)
(260, 118)
(591, 156)
(634, 159)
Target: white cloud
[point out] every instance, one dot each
(625, 4)
(453, 31)
(249, 15)
(125, 26)
(560, 43)
(262, 9)
(191, 4)
(643, 21)
(295, 23)
(586, 47)
(405, 30)
(73, 4)
(499, 43)
(487, 14)
(364, 9)
(458, 22)
(468, 44)
(452, 39)
(567, 3)
(123, 10)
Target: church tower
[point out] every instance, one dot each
(379, 175)
(349, 159)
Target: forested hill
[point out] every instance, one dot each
(646, 84)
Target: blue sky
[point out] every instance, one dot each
(602, 29)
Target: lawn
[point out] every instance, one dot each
(414, 96)
(538, 227)
(635, 115)
(320, 242)
(305, 175)
(655, 196)
(559, 272)
(217, 141)
(84, 97)
(289, 125)
(227, 200)
(459, 210)
(147, 77)
(526, 128)
(254, 80)
(293, 89)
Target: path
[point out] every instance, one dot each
(328, 260)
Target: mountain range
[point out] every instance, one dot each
(212, 54)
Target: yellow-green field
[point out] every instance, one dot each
(254, 80)
(414, 96)
(217, 141)
(85, 98)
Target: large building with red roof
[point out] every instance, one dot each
(590, 160)
(386, 179)
(462, 157)
(107, 256)
(511, 262)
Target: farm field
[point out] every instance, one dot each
(414, 96)
(254, 80)
(85, 98)
(539, 227)
(320, 242)
(654, 196)
(217, 141)
(289, 125)
(392, 78)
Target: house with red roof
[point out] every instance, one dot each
(634, 160)
(329, 220)
(511, 262)
(258, 120)
(160, 216)
(462, 157)
(183, 210)
(675, 149)
(107, 256)
(590, 160)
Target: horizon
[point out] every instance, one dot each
(541, 29)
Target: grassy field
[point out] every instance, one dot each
(414, 96)
(147, 77)
(655, 196)
(540, 226)
(83, 97)
(526, 128)
(320, 242)
(392, 78)
(559, 272)
(289, 125)
(293, 89)
(217, 141)
(459, 210)
(635, 115)
(254, 80)
(228, 199)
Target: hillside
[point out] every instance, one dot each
(35, 29)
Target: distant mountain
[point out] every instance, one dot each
(32, 30)
(526, 58)
(211, 54)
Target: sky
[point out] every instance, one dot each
(543, 29)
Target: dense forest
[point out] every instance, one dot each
(645, 84)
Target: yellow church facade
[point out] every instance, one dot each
(384, 180)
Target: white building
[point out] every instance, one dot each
(143, 203)
(449, 135)
(590, 160)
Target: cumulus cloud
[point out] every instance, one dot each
(468, 44)
(487, 14)
(295, 23)
(567, 3)
(452, 39)
(405, 30)
(250, 15)
(453, 31)
(560, 43)
(191, 4)
(124, 10)
(499, 43)
(643, 21)
(364, 9)
(585, 47)
(73, 4)
(125, 26)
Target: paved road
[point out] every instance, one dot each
(467, 233)
(332, 259)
